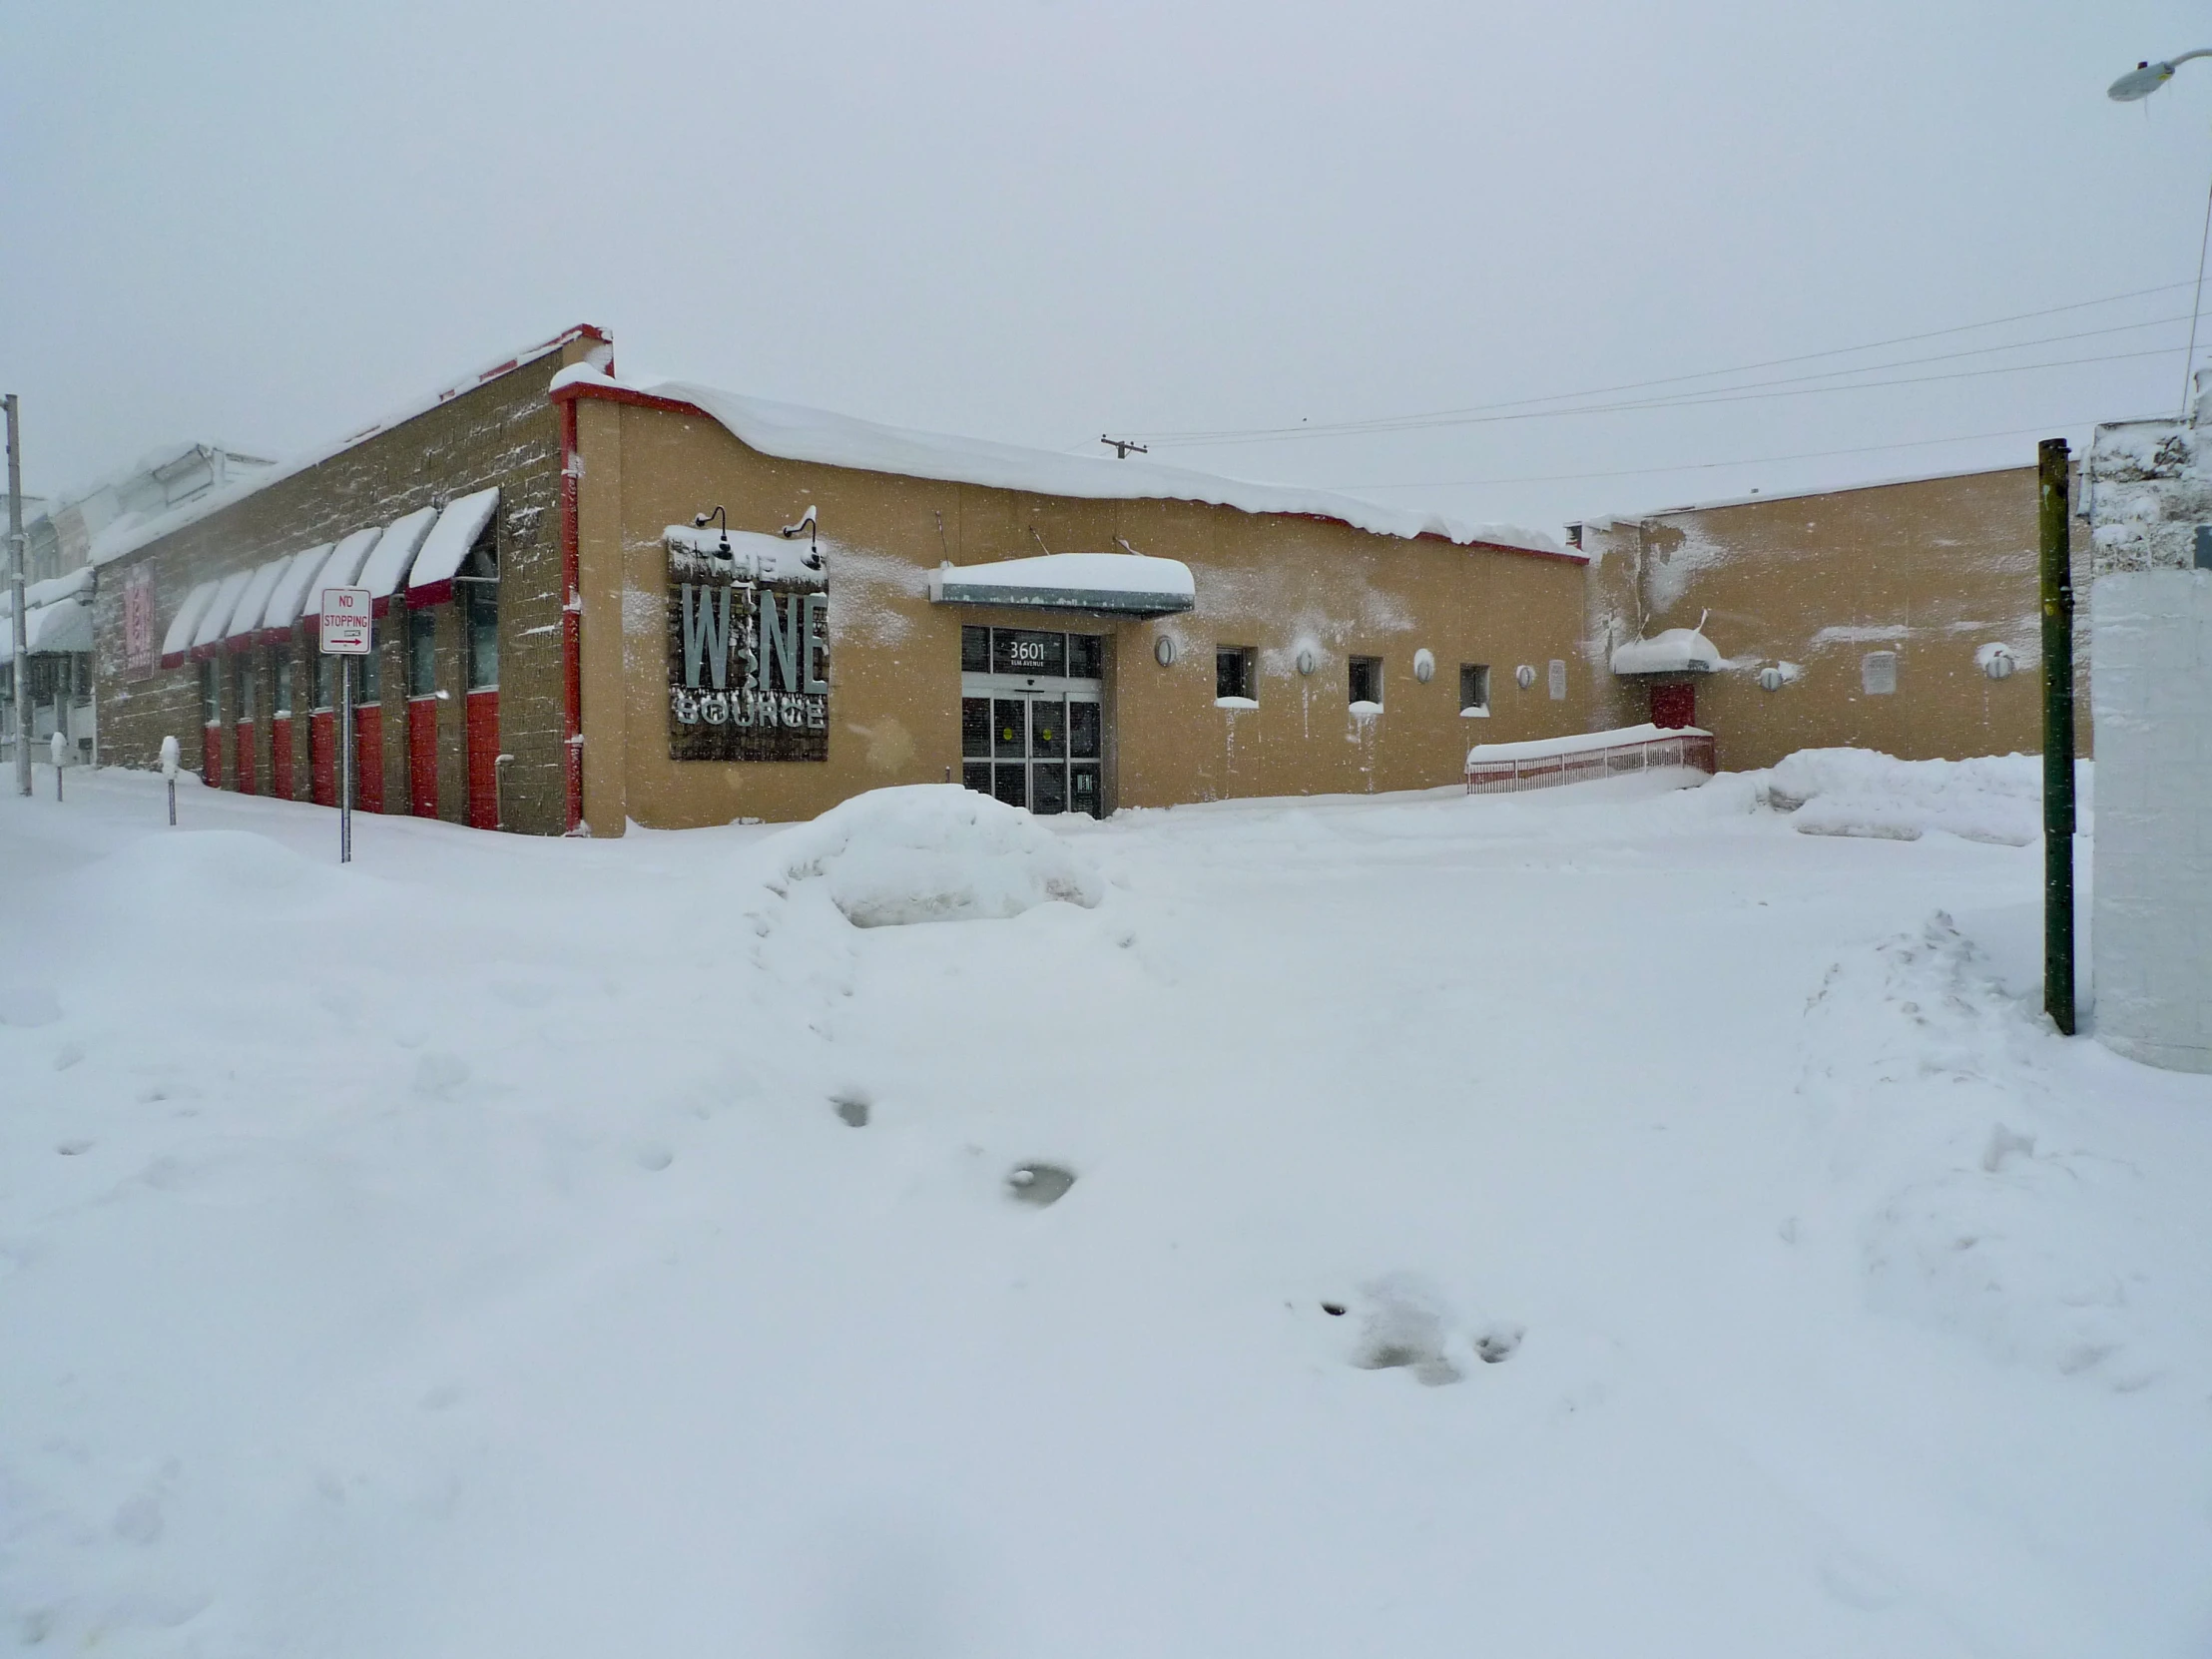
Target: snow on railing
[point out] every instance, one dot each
(1546, 763)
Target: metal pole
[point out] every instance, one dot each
(20, 622)
(345, 759)
(2059, 737)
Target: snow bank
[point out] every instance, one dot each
(1860, 791)
(932, 852)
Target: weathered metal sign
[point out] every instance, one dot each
(747, 648)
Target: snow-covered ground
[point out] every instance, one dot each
(528, 1248)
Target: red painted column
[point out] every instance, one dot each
(572, 617)
(483, 760)
(241, 757)
(211, 755)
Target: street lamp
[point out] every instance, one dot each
(2147, 78)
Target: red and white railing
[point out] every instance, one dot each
(1546, 763)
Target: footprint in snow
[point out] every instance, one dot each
(1039, 1184)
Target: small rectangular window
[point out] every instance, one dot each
(368, 672)
(210, 706)
(1367, 680)
(1878, 673)
(241, 685)
(1474, 689)
(484, 635)
(279, 676)
(325, 679)
(1557, 678)
(1233, 670)
(422, 653)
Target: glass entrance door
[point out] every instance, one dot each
(1034, 740)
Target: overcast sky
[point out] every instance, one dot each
(267, 224)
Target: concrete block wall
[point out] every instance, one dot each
(504, 431)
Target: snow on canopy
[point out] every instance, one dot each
(792, 433)
(289, 596)
(1676, 651)
(386, 566)
(51, 629)
(185, 623)
(46, 592)
(245, 615)
(446, 545)
(215, 622)
(1135, 582)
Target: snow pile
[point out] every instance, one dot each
(932, 852)
(1860, 791)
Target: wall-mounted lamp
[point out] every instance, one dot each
(700, 521)
(1424, 666)
(1772, 679)
(809, 522)
(1525, 676)
(1997, 660)
(1163, 651)
(1306, 661)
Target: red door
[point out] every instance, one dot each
(279, 757)
(322, 756)
(211, 755)
(242, 757)
(1674, 706)
(368, 759)
(483, 760)
(422, 756)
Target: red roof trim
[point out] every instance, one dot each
(646, 400)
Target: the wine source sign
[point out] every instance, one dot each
(747, 648)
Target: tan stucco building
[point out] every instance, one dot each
(603, 603)
(1901, 617)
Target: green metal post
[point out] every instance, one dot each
(2059, 737)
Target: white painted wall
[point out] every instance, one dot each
(2151, 936)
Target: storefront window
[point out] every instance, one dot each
(368, 672)
(325, 679)
(422, 653)
(241, 685)
(279, 674)
(481, 599)
(211, 707)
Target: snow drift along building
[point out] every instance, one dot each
(602, 602)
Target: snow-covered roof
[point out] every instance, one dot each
(386, 565)
(46, 592)
(448, 545)
(289, 596)
(1675, 651)
(185, 623)
(792, 433)
(127, 535)
(1130, 584)
(1608, 521)
(65, 625)
(245, 615)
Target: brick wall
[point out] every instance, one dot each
(503, 432)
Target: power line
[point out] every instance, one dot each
(1257, 434)
(1709, 466)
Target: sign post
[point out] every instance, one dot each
(344, 629)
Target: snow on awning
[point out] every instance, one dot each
(50, 630)
(289, 596)
(447, 546)
(177, 643)
(386, 567)
(246, 616)
(341, 569)
(206, 639)
(1117, 584)
(1676, 651)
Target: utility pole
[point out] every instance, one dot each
(2058, 736)
(19, 620)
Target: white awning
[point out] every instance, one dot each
(446, 548)
(341, 569)
(1676, 651)
(246, 616)
(177, 643)
(386, 566)
(289, 596)
(212, 626)
(1117, 584)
